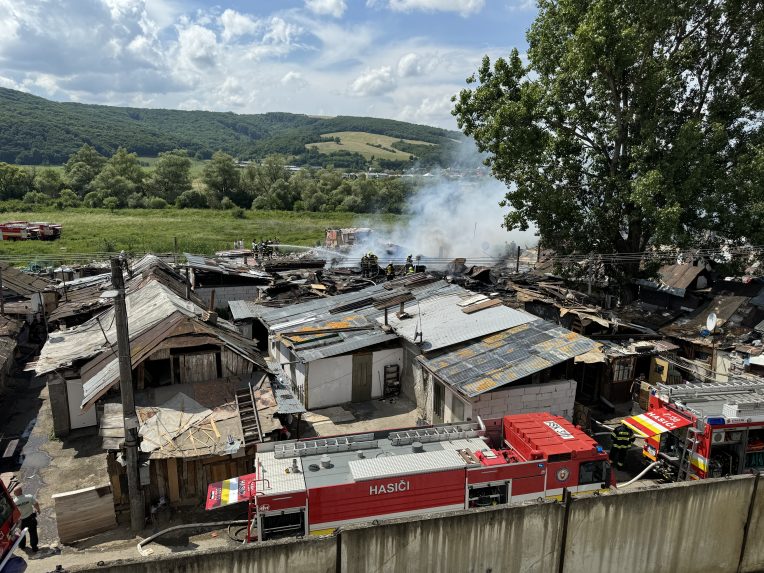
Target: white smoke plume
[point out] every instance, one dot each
(454, 213)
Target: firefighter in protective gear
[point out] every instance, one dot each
(623, 437)
(373, 264)
(365, 266)
(410, 265)
(390, 271)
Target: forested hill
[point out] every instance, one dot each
(36, 131)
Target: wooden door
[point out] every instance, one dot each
(362, 366)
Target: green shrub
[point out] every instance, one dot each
(157, 203)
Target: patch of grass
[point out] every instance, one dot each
(197, 165)
(365, 144)
(197, 230)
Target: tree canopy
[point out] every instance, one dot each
(631, 123)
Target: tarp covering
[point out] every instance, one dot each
(656, 422)
(230, 491)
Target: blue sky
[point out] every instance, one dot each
(401, 59)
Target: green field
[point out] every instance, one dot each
(197, 165)
(357, 142)
(197, 231)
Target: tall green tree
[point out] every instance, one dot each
(82, 167)
(171, 176)
(126, 165)
(49, 182)
(631, 124)
(15, 181)
(221, 176)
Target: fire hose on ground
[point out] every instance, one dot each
(638, 476)
(146, 552)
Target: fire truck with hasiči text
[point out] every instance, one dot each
(313, 486)
(700, 430)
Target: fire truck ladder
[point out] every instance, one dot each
(685, 460)
(250, 425)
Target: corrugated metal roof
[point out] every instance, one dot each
(242, 310)
(145, 308)
(352, 341)
(22, 283)
(406, 464)
(502, 358)
(225, 267)
(443, 324)
(679, 276)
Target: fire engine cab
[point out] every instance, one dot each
(695, 431)
(316, 485)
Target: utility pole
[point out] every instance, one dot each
(517, 265)
(137, 510)
(2, 295)
(591, 273)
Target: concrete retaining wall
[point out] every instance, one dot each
(509, 540)
(753, 552)
(713, 525)
(314, 555)
(687, 527)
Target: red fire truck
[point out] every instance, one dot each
(316, 485)
(695, 431)
(25, 231)
(10, 536)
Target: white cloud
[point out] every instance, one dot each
(236, 24)
(198, 45)
(374, 82)
(463, 7)
(431, 110)
(9, 83)
(410, 65)
(281, 32)
(335, 8)
(521, 6)
(294, 80)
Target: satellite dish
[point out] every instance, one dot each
(711, 322)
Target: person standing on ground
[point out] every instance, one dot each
(29, 509)
(623, 437)
(390, 271)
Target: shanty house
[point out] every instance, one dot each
(25, 296)
(457, 355)
(676, 286)
(466, 356)
(11, 333)
(202, 392)
(229, 279)
(331, 350)
(173, 341)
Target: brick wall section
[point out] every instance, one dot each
(556, 397)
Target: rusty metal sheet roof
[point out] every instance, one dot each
(674, 279)
(21, 283)
(679, 276)
(502, 358)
